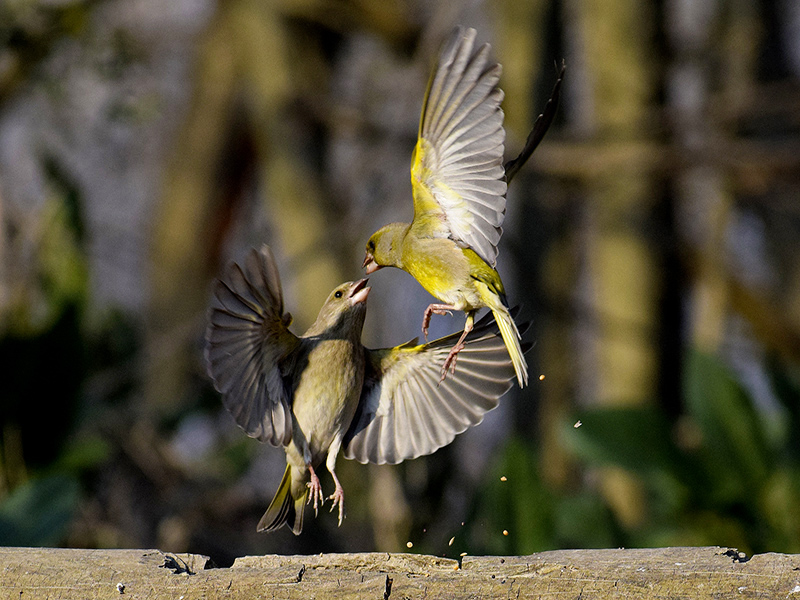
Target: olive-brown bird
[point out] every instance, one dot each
(323, 392)
(459, 185)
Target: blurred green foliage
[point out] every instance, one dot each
(39, 512)
(726, 472)
(535, 516)
(49, 353)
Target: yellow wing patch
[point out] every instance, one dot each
(433, 197)
(456, 169)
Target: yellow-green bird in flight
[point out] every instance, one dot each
(459, 186)
(323, 392)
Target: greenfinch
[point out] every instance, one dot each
(459, 186)
(323, 392)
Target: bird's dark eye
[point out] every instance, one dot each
(338, 294)
(371, 246)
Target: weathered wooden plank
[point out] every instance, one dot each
(650, 573)
(33, 573)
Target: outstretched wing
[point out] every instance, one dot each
(404, 412)
(246, 340)
(457, 167)
(540, 127)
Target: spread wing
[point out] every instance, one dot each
(540, 127)
(246, 340)
(404, 412)
(457, 167)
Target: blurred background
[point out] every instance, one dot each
(652, 240)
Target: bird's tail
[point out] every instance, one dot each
(511, 338)
(285, 509)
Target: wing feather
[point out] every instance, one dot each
(457, 171)
(405, 412)
(246, 341)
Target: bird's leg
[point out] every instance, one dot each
(338, 494)
(316, 490)
(439, 309)
(450, 361)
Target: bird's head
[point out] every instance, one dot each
(344, 310)
(383, 248)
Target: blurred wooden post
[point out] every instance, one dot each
(293, 195)
(243, 80)
(521, 35)
(702, 202)
(180, 237)
(620, 288)
(690, 573)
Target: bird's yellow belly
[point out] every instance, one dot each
(439, 265)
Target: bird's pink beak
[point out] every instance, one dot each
(359, 291)
(369, 264)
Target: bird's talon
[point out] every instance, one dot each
(453, 366)
(315, 496)
(433, 309)
(450, 361)
(338, 499)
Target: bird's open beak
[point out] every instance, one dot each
(369, 264)
(359, 292)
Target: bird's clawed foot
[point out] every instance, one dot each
(315, 496)
(337, 496)
(450, 361)
(338, 499)
(439, 309)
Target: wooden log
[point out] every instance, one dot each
(686, 573)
